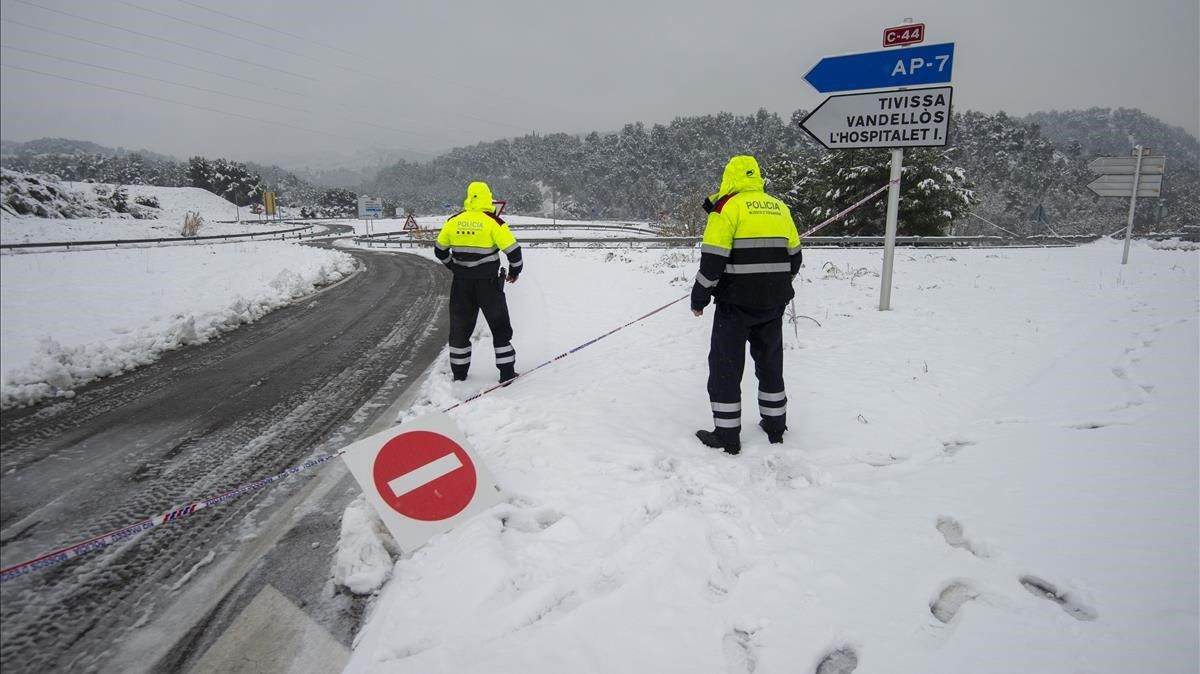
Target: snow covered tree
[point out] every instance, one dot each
(934, 191)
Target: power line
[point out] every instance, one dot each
(218, 31)
(363, 57)
(272, 28)
(201, 107)
(145, 77)
(207, 51)
(148, 56)
(163, 39)
(213, 72)
(209, 91)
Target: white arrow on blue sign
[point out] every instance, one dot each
(931, 64)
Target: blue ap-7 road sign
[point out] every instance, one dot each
(931, 64)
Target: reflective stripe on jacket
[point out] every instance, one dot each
(751, 249)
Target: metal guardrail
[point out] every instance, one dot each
(1039, 241)
(601, 227)
(281, 233)
(810, 242)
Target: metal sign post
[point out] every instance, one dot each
(1137, 172)
(889, 240)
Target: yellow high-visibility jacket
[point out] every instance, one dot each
(471, 240)
(751, 249)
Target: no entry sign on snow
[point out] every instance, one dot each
(421, 478)
(425, 476)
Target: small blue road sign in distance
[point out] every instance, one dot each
(931, 64)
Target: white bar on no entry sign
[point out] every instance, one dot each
(425, 474)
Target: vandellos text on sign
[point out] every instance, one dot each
(911, 118)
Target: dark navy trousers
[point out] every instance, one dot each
(733, 327)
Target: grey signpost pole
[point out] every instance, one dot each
(889, 240)
(889, 229)
(1137, 173)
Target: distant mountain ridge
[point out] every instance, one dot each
(1029, 174)
(68, 146)
(1109, 131)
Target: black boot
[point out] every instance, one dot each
(775, 437)
(715, 441)
(507, 375)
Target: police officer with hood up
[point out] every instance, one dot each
(748, 258)
(469, 245)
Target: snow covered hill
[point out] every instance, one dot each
(39, 208)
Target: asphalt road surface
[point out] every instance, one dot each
(301, 382)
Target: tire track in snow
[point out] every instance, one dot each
(201, 420)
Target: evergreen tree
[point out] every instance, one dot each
(934, 192)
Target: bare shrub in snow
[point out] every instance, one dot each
(192, 223)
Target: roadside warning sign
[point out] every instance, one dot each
(421, 478)
(410, 225)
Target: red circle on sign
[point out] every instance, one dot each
(424, 476)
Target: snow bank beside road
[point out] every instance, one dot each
(82, 215)
(70, 318)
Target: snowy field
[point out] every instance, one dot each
(67, 318)
(175, 202)
(998, 475)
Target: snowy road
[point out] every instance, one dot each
(201, 421)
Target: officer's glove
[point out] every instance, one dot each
(708, 205)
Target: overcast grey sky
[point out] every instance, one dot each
(265, 79)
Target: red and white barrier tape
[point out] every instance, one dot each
(846, 211)
(104, 540)
(63, 554)
(565, 354)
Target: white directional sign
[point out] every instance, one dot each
(1121, 185)
(908, 118)
(1126, 165)
(369, 207)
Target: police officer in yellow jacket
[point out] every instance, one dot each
(748, 258)
(469, 245)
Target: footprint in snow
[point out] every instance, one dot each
(530, 522)
(950, 600)
(1046, 590)
(952, 531)
(841, 661)
(952, 447)
(741, 655)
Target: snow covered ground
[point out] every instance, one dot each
(67, 318)
(998, 475)
(175, 202)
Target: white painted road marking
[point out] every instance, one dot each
(422, 476)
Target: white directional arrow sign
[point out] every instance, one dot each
(1126, 165)
(1122, 186)
(908, 118)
